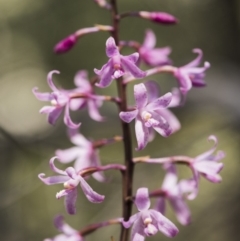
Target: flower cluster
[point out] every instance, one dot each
(151, 114)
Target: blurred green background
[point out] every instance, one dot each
(29, 30)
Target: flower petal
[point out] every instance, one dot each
(49, 80)
(95, 161)
(140, 94)
(142, 133)
(111, 47)
(91, 195)
(160, 205)
(208, 153)
(70, 201)
(54, 168)
(128, 116)
(132, 68)
(105, 74)
(132, 219)
(197, 60)
(93, 110)
(181, 209)
(171, 119)
(152, 90)
(63, 226)
(176, 98)
(67, 155)
(161, 102)
(81, 80)
(160, 125)
(133, 57)
(149, 40)
(170, 179)
(138, 237)
(41, 96)
(164, 225)
(67, 119)
(79, 139)
(142, 200)
(53, 179)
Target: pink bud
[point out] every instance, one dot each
(159, 17)
(65, 44)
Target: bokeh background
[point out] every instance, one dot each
(29, 30)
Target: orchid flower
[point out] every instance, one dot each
(84, 153)
(70, 179)
(59, 99)
(68, 233)
(153, 56)
(151, 112)
(190, 75)
(173, 192)
(207, 165)
(148, 222)
(117, 65)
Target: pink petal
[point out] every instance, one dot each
(150, 39)
(142, 200)
(49, 80)
(142, 133)
(181, 210)
(208, 153)
(70, 201)
(132, 219)
(133, 57)
(160, 205)
(111, 47)
(152, 90)
(41, 96)
(171, 119)
(140, 94)
(53, 179)
(93, 110)
(197, 60)
(132, 68)
(161, 102)
(67, 155)
(170, 179)
(128, 116)
(81, 80)
(105, 74)
(91, 195)
(67, 119)
(62, 226)
(54, 168)
(164, 225)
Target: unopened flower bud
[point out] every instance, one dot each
(159, 17)
(65, 44)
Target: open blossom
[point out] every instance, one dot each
(191, 75)
(59, 99)
(117, 65)
(173, 192)
(70, 179)
(207, 164)
(84, 153)
(151, 113)
(74, 99)
(68, 233)
(148, 222)
(153, 56)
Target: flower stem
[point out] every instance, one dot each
(92, 227)
(127, 181)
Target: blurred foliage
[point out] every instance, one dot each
(30, 29)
